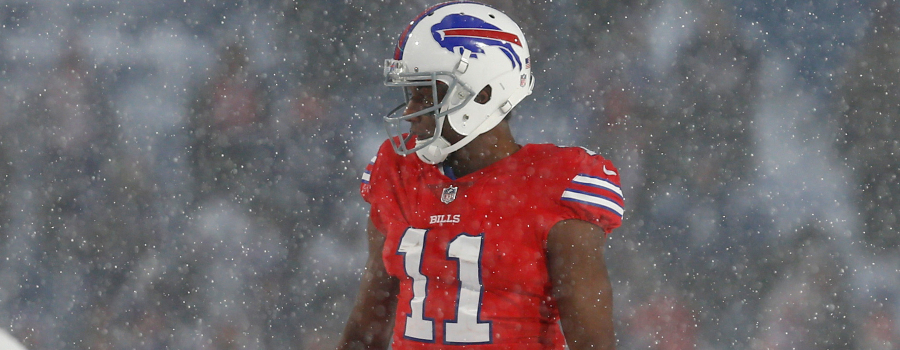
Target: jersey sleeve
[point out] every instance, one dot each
(375, 183)
(593, 194)
(373, 175)
(365, 183)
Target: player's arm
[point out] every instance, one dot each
(370, 323)
(581, 284)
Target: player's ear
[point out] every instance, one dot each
(484, 95)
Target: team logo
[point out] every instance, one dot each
(468, 32)
(449, 194)
(608, 172)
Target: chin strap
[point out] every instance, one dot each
(434, 153)
(440, 148)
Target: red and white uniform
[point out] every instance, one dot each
(472, 268)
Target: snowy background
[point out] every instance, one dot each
(184, 174)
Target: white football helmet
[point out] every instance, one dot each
(467, 46)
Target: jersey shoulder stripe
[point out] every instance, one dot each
(367, 174)
(593, 200)
(597, 182)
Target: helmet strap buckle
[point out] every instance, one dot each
(506, 107)
(463, 64)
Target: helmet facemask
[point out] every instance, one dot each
(396, 75)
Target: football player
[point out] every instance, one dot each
(474, 240)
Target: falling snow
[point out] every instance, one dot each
(184, 174)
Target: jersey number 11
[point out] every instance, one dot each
(467, 327)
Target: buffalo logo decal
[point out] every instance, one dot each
(468, 32)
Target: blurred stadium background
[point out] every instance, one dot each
(184, 174)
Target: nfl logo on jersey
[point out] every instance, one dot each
(449, 194)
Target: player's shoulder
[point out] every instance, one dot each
(593, 187)
(554, 149)
(578, 164)
(386, 150)
(386, 156)
(384, 160)
(575, 156)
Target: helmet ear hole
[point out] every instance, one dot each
(484, 96)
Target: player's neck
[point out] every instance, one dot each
(484, 150)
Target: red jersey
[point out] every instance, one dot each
(470, 253)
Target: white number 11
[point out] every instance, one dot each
(466, 329)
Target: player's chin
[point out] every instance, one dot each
(421, 132)
(422, 137)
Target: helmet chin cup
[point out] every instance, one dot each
(433, 153)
